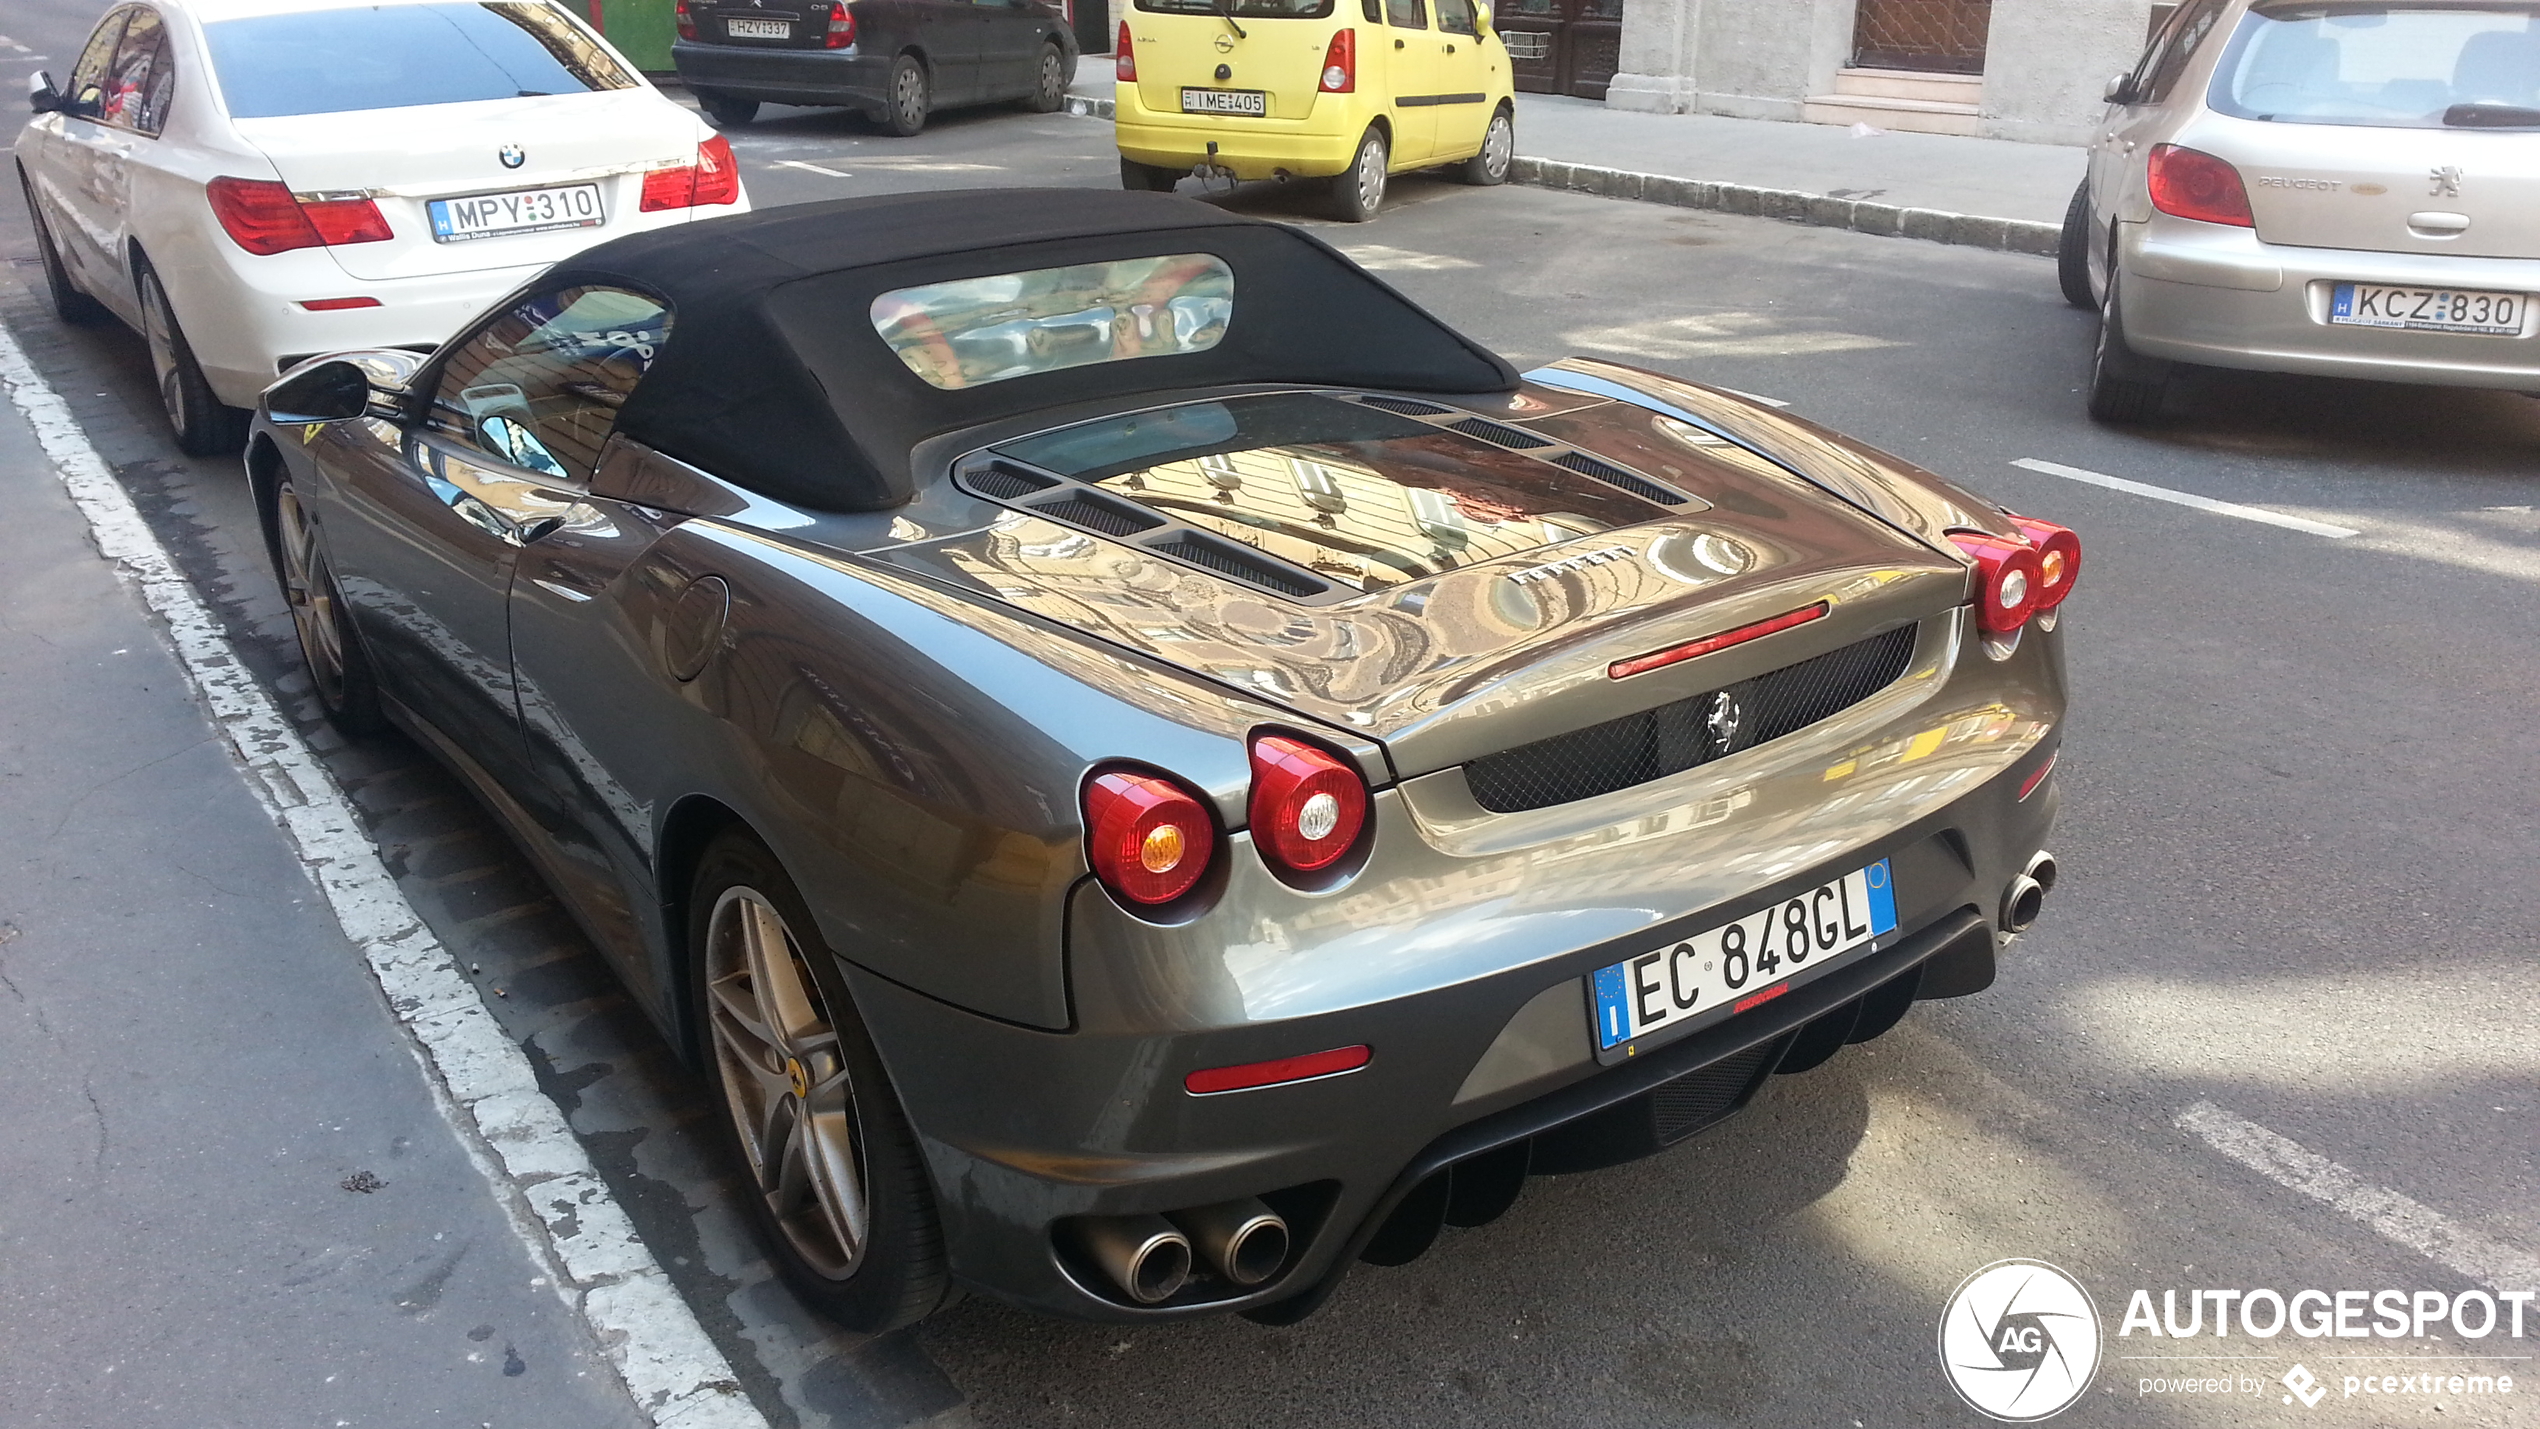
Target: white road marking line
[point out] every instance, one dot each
(2187, 498)
(802, 164)
(2419, 1227)
(1753, 396)
(479, 1078)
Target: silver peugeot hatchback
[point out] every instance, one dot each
(2340, 187)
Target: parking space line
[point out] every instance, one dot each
(2413, 1224)
(805, 164)
(2186, 498)
(480, 1080)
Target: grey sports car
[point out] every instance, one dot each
(1144, 767)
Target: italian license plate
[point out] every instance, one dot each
(1226, 101)
(2428, 309)
(1725, 970)
(759, 29)
(456, 220)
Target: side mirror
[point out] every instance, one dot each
(41, 96)
(2120, 90)
(354, 384)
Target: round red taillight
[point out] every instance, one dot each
(2058, 559)
(1149, 839)
(2007, 580)
(1307, 805)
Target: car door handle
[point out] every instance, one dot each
(1397, 44)
(1450, 49)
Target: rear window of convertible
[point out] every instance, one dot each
(393, 56)
(973, 331)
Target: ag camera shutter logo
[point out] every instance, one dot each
(2019, 1341)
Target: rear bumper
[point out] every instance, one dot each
(1319, 145)
(1025, 1129)
(245, 337)
(845, 77)
(2220, 296)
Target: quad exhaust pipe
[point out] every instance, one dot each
(2025, 896)
(1150, 1258)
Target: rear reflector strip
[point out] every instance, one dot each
(330, 305)
(1275, 1071)
(1759, 999)
(2029, 785)
(1710, 644)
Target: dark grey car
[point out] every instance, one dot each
(1144, 767)
(897, 61)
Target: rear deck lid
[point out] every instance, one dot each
(1454, 585)
(2398, 128)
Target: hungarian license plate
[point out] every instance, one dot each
(1728, 969)
(2428, 309)
(1226, 101)
(759, 29)
(456, 220)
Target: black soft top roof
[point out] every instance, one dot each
(773, 376)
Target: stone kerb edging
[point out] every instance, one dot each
(1793, 206)
(1886, 220)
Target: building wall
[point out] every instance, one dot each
(2046, 61)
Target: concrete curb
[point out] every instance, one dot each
(1933, 225)
(2011, 235)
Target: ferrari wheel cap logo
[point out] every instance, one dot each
(795, 1074)
(512, 155)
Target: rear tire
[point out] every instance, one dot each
(1499, 149)
(204, 425)
(832, 1174)
(2072, 253)
(1358, 192)
(728, 111)
(2125, 386)
(339, 668)
(1140, 178)
(909, 98)
(69, 303)
(1049, 91)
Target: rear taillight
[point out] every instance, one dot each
(1149, 839)
(2006, 580)
(714, 178)
(2058, 559)
(1307, 805)
(1124, 63)
(1340, 63)
(841, 27)
(261, 216)
(2189, 183)
(687, 22)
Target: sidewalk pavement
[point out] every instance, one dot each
(229, 1197)
(1990, 193)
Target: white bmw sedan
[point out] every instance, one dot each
(2349, 188)
(252, 182)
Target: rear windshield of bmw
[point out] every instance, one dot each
(394, 56)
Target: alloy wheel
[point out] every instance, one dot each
(309, 588)
(158, 329)
(786, 1082)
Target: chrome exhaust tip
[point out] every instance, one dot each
(2042, 868)
(1244, 1241)
(2021, 902)
(1144, 1255)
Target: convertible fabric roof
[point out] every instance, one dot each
(773, 376)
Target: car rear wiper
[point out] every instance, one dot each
(1226, 12)
(2491, 116)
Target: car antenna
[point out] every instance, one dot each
(1226, 11)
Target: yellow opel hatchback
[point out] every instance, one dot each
(1345, 90)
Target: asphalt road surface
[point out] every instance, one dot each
(2275, 1029)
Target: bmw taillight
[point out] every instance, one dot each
(714, 178)
(261, 216)
(1340, 63)
(2006, 580)
(2190, 183)
(687, 22)
(1124, 62)
(2058, 559)
(841, 27)
(1307, 804)
(1149, 839)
